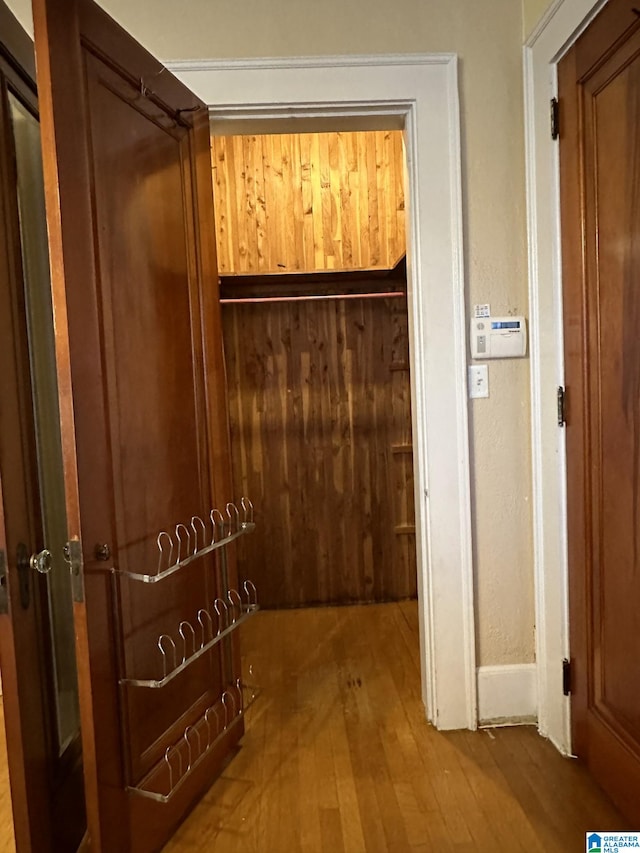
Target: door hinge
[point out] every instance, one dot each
(73, 556)
(4, 594)
(555, 118)
(561, 402)
(566, 676)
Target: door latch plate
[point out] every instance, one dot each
(73, 556)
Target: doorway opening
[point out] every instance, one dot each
(311, 247)
(312, 258)
(419, 94)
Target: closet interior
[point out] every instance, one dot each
(312, 262)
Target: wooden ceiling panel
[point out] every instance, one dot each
(309, 202)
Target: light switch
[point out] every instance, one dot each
(478, 381)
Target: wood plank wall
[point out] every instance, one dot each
(309, 202)
(319, 404)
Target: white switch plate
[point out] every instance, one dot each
(478, 381)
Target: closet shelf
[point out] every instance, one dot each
(198, 538)
(228, 615)
(198, 740)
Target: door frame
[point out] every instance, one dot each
(559, 28)
(418, 93)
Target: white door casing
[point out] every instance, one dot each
(559, 28)
(420, 94)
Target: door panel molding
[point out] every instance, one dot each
(420, 93)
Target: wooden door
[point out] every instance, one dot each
(36, 625)
(599, 84)
(143, 414)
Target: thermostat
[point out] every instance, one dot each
(498, 337)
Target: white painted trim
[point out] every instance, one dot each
(295, 63)
(460, 351)
(423, 92)
(507, 694)
(560, 26)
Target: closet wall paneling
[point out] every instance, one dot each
(309, 202)
(321, 438)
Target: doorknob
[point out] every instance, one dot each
(42, 562)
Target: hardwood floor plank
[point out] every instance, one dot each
(7, 840)
(338, 756)
(374, 776)
(331, 831)
(349, 810)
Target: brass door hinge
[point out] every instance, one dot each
(566, 677)
(561, 404)
(555, 119)
(4, 593)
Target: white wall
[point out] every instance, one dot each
(487, 37)
(532, 11)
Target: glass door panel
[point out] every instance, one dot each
(59, 632)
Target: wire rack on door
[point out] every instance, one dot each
(189, 644)
(198, 740)
(193, 540)
(178, 649)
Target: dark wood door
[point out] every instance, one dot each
(143, 414)
(36, 625)
(599, 84)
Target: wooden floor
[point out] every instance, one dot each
(7, 842)
(338, 757)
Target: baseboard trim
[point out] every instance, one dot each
(507, 695)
